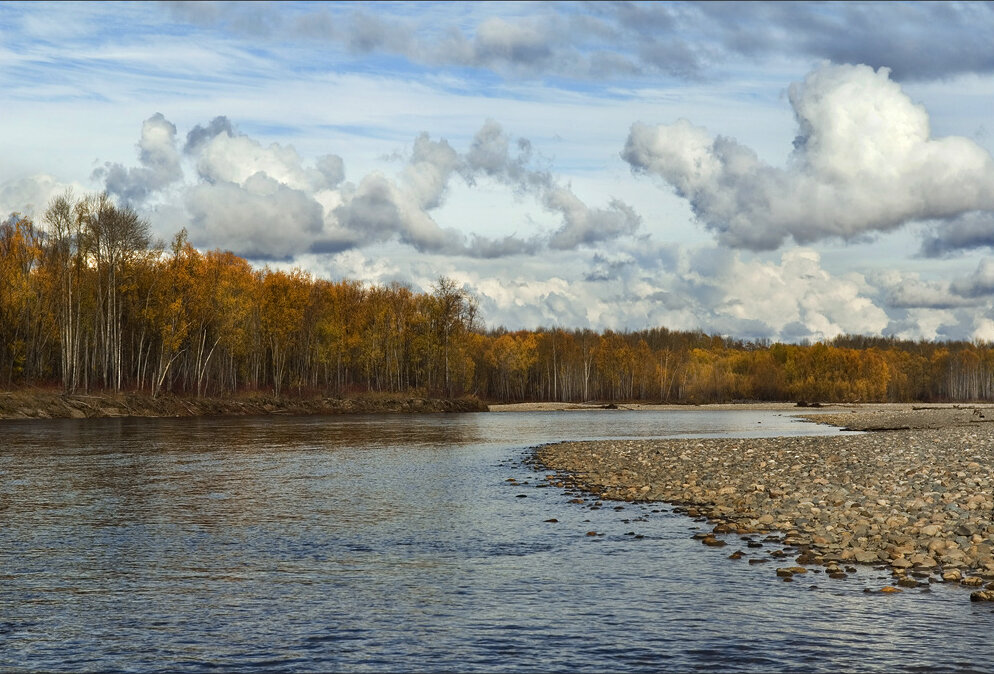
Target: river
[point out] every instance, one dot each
(408, 543)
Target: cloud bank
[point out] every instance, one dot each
(267, 202)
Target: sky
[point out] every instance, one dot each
(766, 171)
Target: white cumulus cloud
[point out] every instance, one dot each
(864, 161)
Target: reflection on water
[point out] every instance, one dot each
(397, 543)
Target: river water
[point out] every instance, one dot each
(399, 543)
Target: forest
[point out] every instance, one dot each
(89, 303)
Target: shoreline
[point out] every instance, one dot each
(914, 497)
(22, 405)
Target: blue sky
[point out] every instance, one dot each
(763, 170)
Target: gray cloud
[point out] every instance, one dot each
(864, 162)
(585, 226)
(490, 248)
(979, 284)
(262, 219)
(287, 206)
(159, 159)
(490, 155)
(968, 231)
(199, 135)
(429, 168)
(915, 294)
(922, 40)
(498, 41)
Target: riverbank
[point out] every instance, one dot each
(52, 405)
(914, 497)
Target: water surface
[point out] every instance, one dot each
(397, 543)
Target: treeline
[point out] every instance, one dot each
(87, 302)
(659, 365)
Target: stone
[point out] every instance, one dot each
(982, 595)
(865, 556)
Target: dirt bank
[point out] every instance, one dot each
(50, 405)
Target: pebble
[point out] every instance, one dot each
(918, 501)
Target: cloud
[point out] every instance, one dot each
(918, 41)
(159, 159)
(588, 226)
(429, 168)
(234, 158)
(968, 231)
(863, 162)
(521, 43)
(260, 219)
(906, 290)
(978, 284)
(30, 196)
(794, 299)
(201, 134)
(710, 288)
(268, 202)
(490, 155)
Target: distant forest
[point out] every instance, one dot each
(87, 302)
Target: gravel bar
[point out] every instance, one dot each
(914, 497)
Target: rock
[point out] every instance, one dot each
(865, 556)
(982, 595)
(871, 499)
(889, 590)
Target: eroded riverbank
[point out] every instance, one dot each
(49, 405)
(917, 499)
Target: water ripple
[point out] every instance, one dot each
(398, 544)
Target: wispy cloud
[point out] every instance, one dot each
(923, 40)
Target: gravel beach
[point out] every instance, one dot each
(914, 494)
